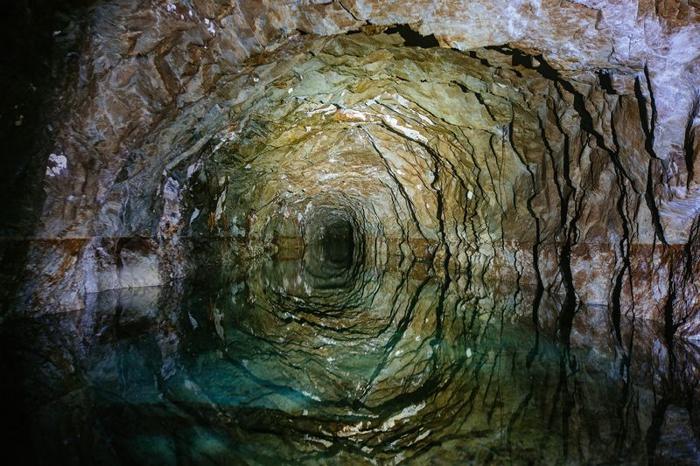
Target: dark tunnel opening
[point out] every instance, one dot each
(337, 243)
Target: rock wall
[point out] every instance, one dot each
(544, 143)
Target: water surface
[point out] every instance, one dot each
(323, 361)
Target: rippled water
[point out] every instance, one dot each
(324, 359)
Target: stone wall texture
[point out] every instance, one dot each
(545, 143)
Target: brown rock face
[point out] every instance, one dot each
(565, 154)
(535, 156)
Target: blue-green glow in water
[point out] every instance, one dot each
(284, 366)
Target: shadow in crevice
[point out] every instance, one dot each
(413, 38)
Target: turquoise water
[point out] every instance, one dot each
(292, 364)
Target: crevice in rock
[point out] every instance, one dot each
(413, 38)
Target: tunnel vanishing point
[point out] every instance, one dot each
(350, 232)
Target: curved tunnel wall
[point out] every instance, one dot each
(544, 163)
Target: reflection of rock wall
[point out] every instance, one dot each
(236, 377)
(566, 157)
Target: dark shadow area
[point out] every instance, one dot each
(38, 36)
(330, 253)
(413, 38)
(337, 244)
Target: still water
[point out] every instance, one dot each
(319, 360)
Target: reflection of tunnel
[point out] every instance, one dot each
(355, 231)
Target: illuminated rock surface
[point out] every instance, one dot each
(358, 232)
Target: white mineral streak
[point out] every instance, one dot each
(220, 205)
(57, 164)
(408, 132)
(406, 413)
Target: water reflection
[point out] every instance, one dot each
(373, 365)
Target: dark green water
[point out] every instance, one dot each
(313, 363)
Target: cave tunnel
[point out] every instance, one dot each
(350, 232)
